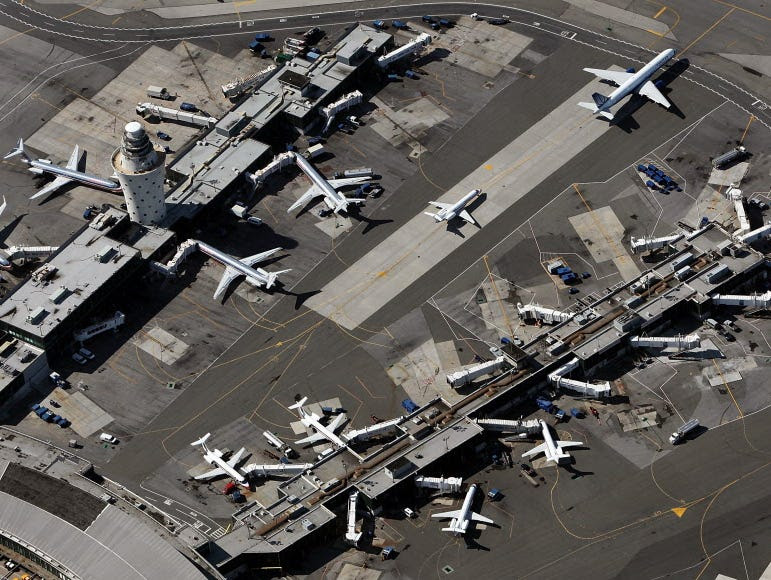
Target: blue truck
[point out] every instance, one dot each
(379, 24)
(409, 405)
(544, 404)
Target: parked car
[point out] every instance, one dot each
(78, 358)
(86, 353)
(164, 136)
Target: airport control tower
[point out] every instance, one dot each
(140, 170)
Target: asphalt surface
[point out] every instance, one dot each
(295, 341)
(141, 28)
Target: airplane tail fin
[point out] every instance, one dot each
(342, 206)
(273, 278)
(589, 106)
(298, 404)
(202, 440)
(599, 99)
(433, 215)
(594, 109)
(18, 150)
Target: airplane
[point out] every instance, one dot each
(222, 467)
(462, 517)
(449, 211)
(629, 82)
(322, 431)
(234, 267)
(551, 448)
(63, 175)
(335, 201)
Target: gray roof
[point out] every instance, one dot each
(114, 546)
(78, 270)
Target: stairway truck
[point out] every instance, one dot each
(278, 444)
(683, 431)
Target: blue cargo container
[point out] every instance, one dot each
(562, 270)
(400, 24)
(380, 24)
(262, 37)
(312, 56)
(410, 74)
(544, 404)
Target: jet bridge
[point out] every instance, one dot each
(441, 484)
(525, 427)
(412, 47)
(751, 300)
(279, 162)
(373, 430)
(646, 244)
(537, 312)
(24, 253)
(352, 535)
(248, 83)
(100, 327)
(256, 470)
(165, 113)
(679, 342)
(593, 390)
(465, 376)
(343, 103)
(754, 235)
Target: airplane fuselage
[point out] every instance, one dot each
(459, 525)
(254, 276)
(214, 458)
(41, 166)
(553, 453)
(335, 201)
(312, 420)
(452, 212)
(636, 80)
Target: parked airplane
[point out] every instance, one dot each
(448, 211)
(462, 517)
(335, 200)
(242, 267)
(222, 467)
(63, 175)
(629, 82)
(551, 448)
(313, 421)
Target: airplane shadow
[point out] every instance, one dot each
(575, 473)
(8, 229)
(355, 214)
(623, 118)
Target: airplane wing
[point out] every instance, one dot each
(564, 444)
(217, 471)
(336, 422)
(311, 439)
(445, 515)
(439, 205)
(464, 215)
(535, 450)
(229, 275)
(74, 159)
(233, 461)
(251, 260)
(53, 186)
(614, 76)
(338, 183)
(306, 197)
(649, 90)
(480, 518)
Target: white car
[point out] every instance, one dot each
(84, 352)
(78, 358)
(107, 438)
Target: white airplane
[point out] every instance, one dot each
(257, 277)
(462, 517)
(313, 421)
(335, 200)
(63, 175)
(551, 448)
(448, 211)
(629, 82)
(222, 467)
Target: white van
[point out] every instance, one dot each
(107, 438)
